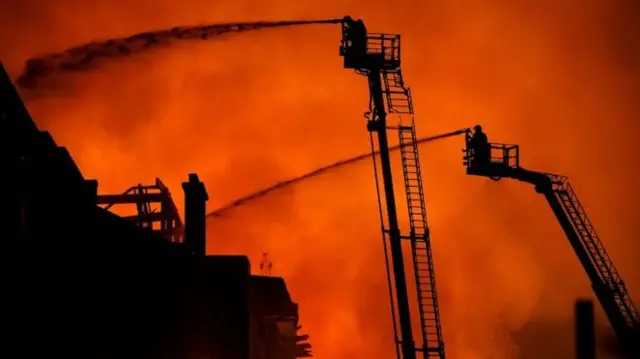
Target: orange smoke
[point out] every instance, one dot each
(250, 110)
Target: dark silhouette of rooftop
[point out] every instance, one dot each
(82, 282)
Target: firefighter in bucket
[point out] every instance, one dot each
(355, 36)
(480, 149)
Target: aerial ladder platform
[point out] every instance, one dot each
(503, 161)
(377, 57)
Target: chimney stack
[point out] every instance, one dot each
(585, 330)
(195, 199)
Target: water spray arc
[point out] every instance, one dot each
(315, 173)
(83, 57)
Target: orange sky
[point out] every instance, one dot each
(559, 78)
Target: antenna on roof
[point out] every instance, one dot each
(265, 265)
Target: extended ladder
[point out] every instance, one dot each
(399, 102)
(398, 96)
(596, 251)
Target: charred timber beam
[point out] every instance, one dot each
(130, 198)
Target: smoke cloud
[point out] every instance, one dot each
(559, 78)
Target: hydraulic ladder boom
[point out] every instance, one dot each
(605, 279)
(377, 56)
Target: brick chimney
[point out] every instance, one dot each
(585, 330)
(195, 199)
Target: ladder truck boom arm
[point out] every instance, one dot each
(503, 162)
(377, 57)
